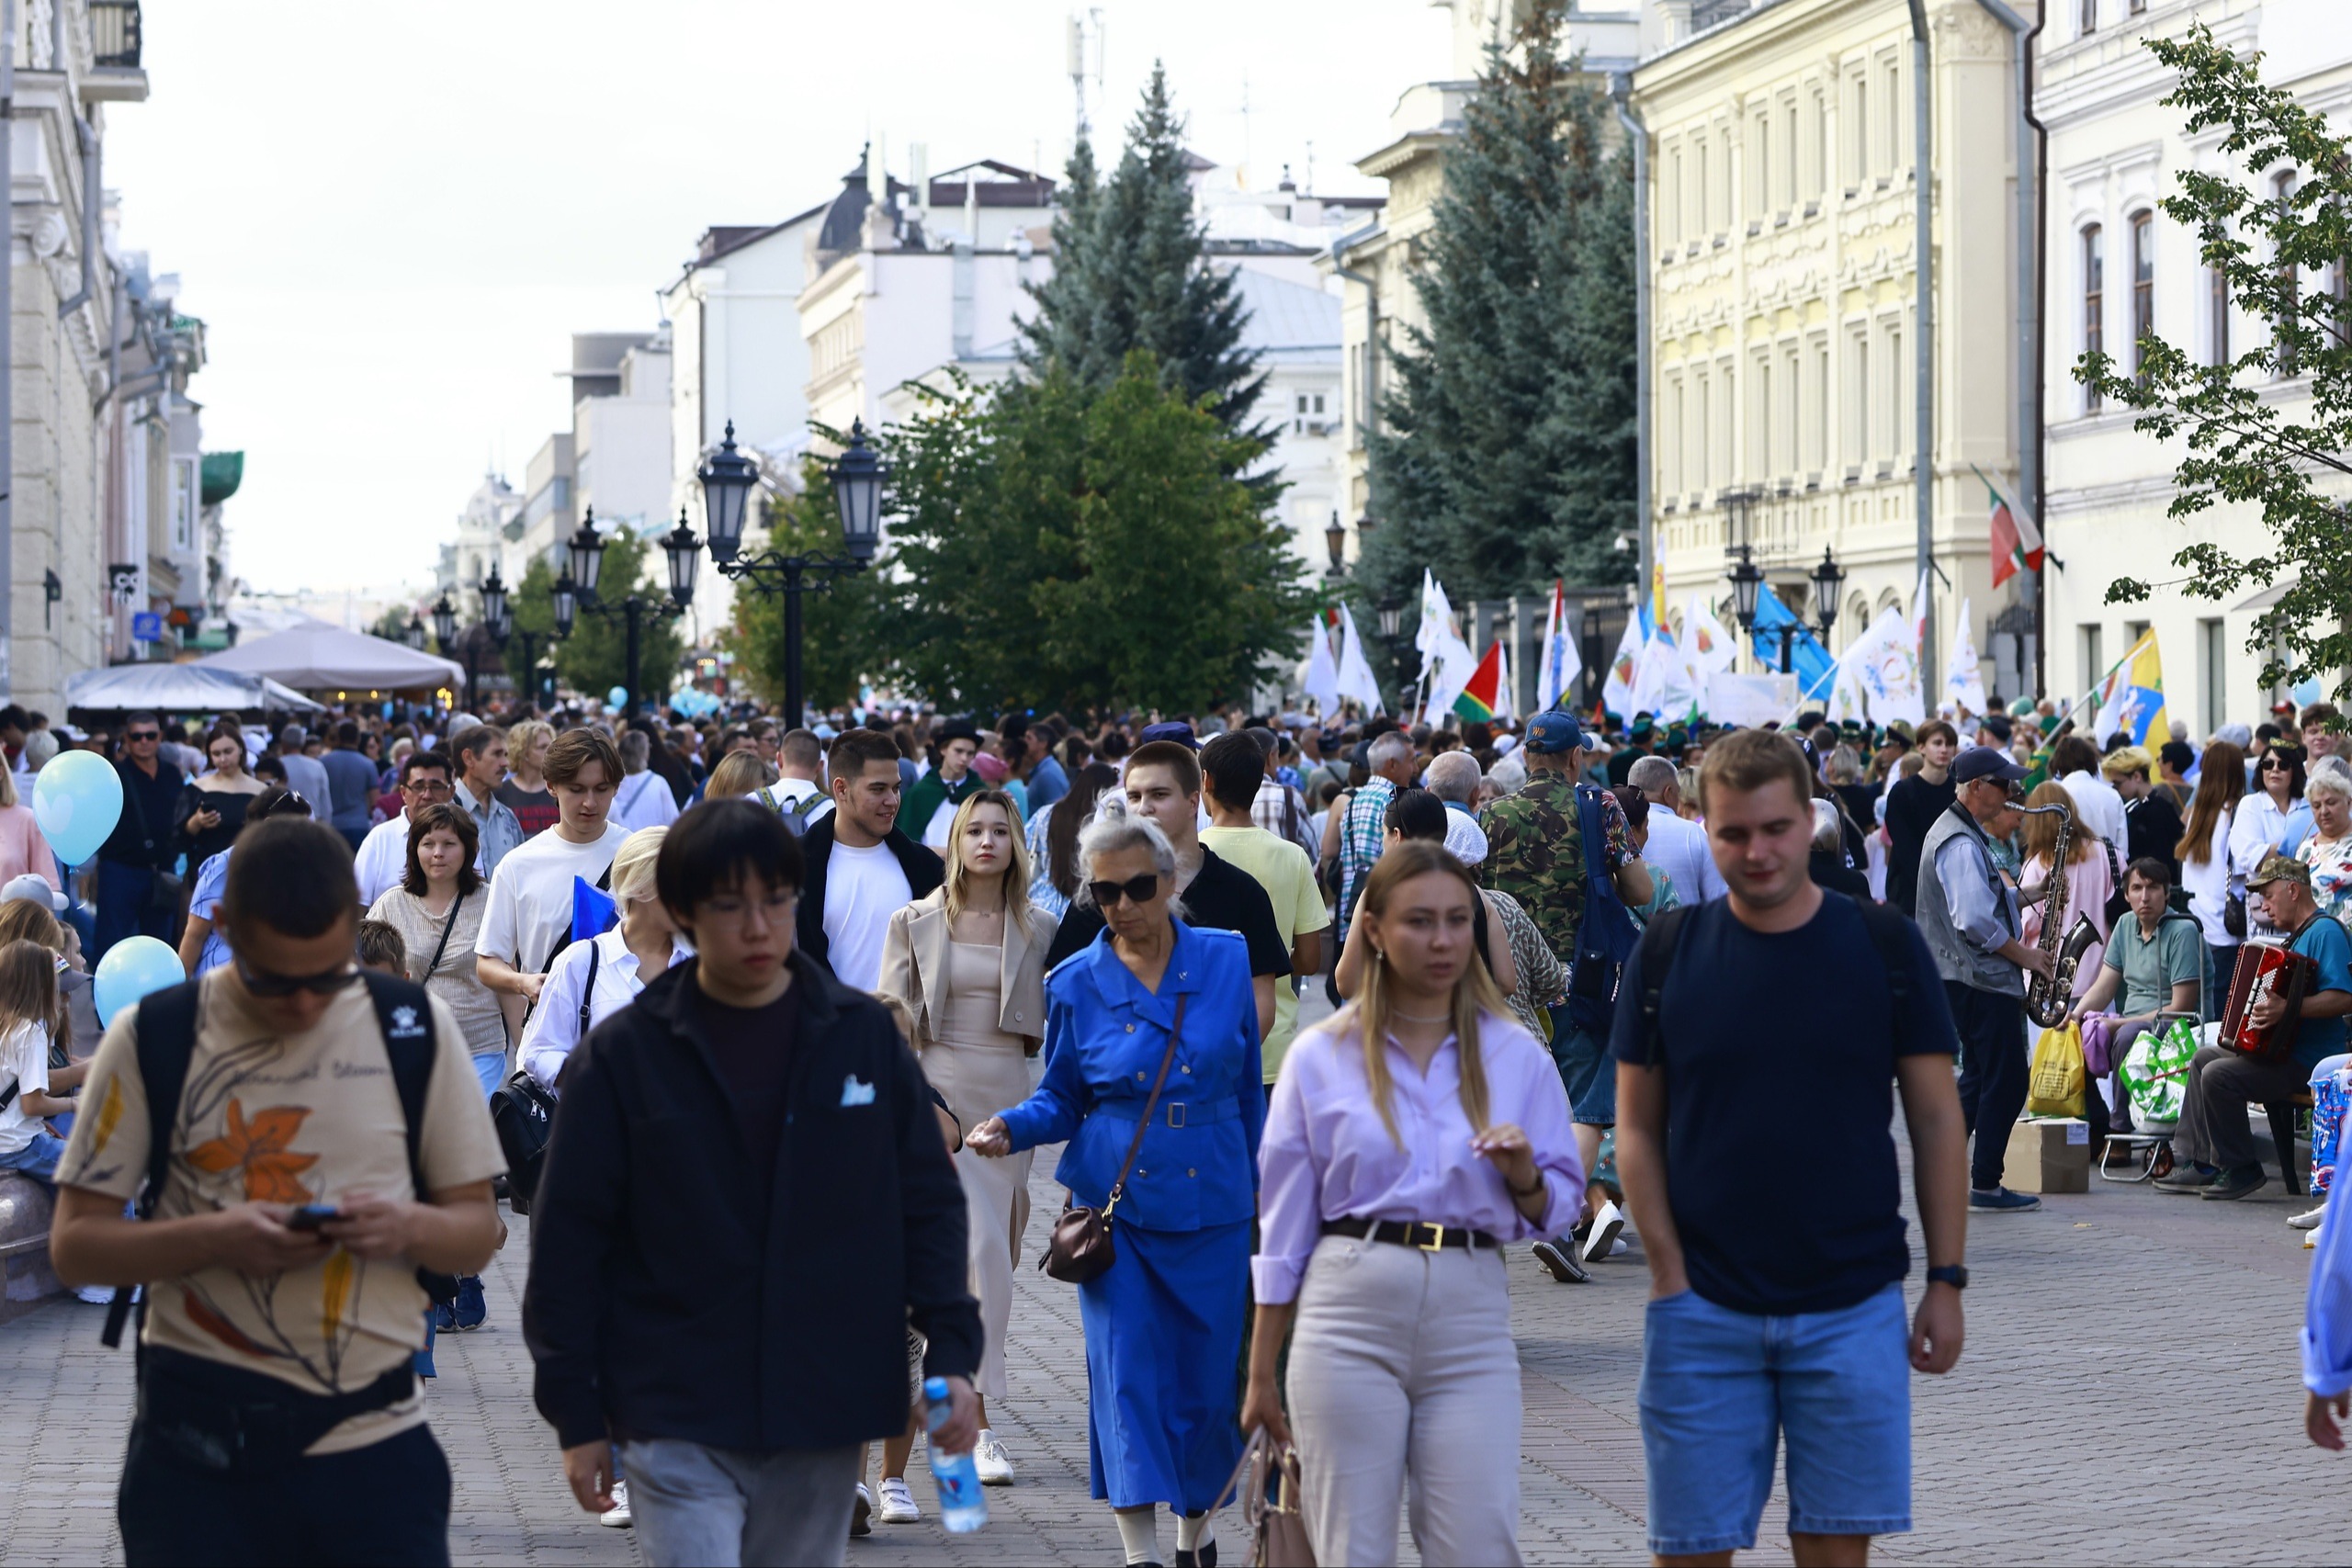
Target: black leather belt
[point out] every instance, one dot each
(1410, 1233)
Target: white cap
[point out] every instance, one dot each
(32, 890)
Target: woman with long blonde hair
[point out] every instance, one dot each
(968, 961)
(1410, 1137)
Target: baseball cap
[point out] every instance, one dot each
(33, 890)
(1555, 731)
(2274, 868)
(1985, 763)
(1174, 729)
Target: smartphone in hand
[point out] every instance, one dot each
(311, 1216)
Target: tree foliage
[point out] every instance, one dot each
(2246, 445)
(1507, 452)
(1055, 547)
(1128, 274)
(839, 642)
(594, 658)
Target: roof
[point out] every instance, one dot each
(719, 239)
(1288, 319)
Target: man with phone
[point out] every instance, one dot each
(279, 1419)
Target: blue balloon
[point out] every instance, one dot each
(77, 799)
(132, 969)
(616, 697)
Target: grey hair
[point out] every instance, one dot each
(1393, 747)
(1651, 775)
(637, 752)
(2329, 775)
(41, 750)
(1827, 832)
(1453, 776)
(1114, 830)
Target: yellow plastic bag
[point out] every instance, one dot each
(2056, 1085)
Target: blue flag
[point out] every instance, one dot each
(593, 910)
(1808, 659)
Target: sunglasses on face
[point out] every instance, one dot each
(263, 983)
(2274, 765)
(1134, 890)
(144, 735)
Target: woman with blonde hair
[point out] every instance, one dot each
(738, 772)
(1411, 1136)
(968, 961)
(590, 981)
(2089, 873)
(525, 789)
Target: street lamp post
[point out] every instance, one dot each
(575, 593)
(728, 478)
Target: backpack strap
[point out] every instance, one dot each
(1659, 944)
(1891, 932)
(404, 1017)
(165, 1037)
(588, 991)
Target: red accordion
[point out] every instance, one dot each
(2265, 969)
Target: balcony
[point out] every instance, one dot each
(116, 74)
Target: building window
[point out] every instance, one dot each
(1789, 187)
(2212, 667)
(1820, 145)
(2137, 7)
(1759, 169)
(184, 500)
(1891, 106)
(2144, 289)
(2093, 668)
(2088, 10)
(2339, 288)
(1671, 209)
(1862, 129)
(1858, 400)
(1791, 415)
(1821, 405)
(1897, 386)
(2094, 302)
(1698, 224)
(1759, 421)
(2217, 307)
(2287, 360)
(1703, 438)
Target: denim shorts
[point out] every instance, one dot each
(1587, 1070)
(1720, 1388)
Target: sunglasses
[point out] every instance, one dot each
(262, 984)
(1134, 890)
(2276, 765)
(144, 735)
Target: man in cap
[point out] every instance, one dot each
(2214, 1150)
(1636, 747)
(1971, 919)
(956, 743)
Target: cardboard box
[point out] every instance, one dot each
(2049, 1156)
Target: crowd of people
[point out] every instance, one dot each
(804, 1001)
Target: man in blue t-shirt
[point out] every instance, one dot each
(2214, 1149)
(1793, 1329)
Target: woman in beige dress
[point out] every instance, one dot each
(969, 961)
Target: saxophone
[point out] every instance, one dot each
(2048, 1001)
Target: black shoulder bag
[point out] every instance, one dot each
(521, 1111)
(1078, 1249)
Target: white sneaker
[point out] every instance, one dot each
(97, 1295)
(1606, 1221)
(2306, 1222)
(897, 1506)
(617, 1517)
(989, 1460)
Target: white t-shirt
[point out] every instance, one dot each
(863, 889)
(644, 801)
(1679, 849)
(531, 898)
(382, 860)
(24, 1061)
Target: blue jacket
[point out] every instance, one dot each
(1104, 1037)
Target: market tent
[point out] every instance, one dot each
(180, 688)
(317, 656)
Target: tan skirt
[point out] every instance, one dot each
(978, 1081)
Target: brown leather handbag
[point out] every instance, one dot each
(1079, 1248)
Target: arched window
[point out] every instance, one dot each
(2144, 288)
(2094, 300)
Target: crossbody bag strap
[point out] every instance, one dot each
(443, 945)
(588, 991)
(1143, 1124)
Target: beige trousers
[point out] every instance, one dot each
(1403, 1374)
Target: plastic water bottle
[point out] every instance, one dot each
(962, 1506)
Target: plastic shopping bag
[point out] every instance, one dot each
(2155, 1073)
(2055, 1086)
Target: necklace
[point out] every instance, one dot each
(1416, 1018)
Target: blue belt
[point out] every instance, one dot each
(1175, 1112)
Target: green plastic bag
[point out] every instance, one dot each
(2155, 1072)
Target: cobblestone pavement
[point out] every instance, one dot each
(2128, 1394)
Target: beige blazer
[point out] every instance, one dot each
(914, 965)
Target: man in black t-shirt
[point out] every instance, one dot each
(1794, 1326)
(1912, 808)
(1163, 786)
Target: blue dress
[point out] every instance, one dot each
(1164, 1323)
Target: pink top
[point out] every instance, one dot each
(1327, 1156)
(2090, 882)
(22, 848)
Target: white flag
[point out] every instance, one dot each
(1617, 691)
(1355, 677)
(1712, 648)
(1451, 665)
(1885, 661)
(1963, 679)
(1322, 681)
(1558, 664)
(1437, 620)
(1662, 684)
(1504, 701)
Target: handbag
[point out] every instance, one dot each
(522, 1112)
(2055, 1086)
(1277, 1523)
(1078, 1249)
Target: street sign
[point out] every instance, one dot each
(146, 626)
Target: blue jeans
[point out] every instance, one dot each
(122, 907)
(1586, 1070)
(490, 1066)
(1720, 1388)
(36, 1159)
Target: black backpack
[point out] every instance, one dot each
(1890, 933)
(166, 1040)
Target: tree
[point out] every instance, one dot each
(594, 658)
(2279, 251)
(838, 640)
(1057, 547)
(1129, 274)
(1506, 454)
(392, 624)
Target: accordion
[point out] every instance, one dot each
(2265, 969)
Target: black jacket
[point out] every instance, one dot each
(654, 1310)
(146, 834)
(924, 873)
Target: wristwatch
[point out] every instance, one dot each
(1952, 1274)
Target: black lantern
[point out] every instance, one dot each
(445, 623)
(1746, 582)
(728, 478)
(1335, 540)
(414, 636)
(566, 594)
(587, 557)
(493, 596)
(683, 548)
(857, 493)
(1390, 614)
(503, 627)
(1826, 578)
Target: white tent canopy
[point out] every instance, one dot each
(317, 656)
(180, 688)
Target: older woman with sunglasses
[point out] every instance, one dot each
(2272, 816)
(1151, 1056)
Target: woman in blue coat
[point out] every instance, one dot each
(1164, 1323)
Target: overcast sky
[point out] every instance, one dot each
(391, 218)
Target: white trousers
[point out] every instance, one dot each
(1403, 1374)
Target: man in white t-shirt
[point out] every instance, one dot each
(643, 799)
(529, 918)
(1676, 847)
(383, 853)
(861, 868)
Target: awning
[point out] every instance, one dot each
(316, 657)
(2265, 599)
(180, 688)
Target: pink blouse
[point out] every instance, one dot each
(2090, 882)
(1326, 1155)
(22, 848)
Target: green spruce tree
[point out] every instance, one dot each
(1507, 455)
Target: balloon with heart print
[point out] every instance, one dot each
(77, 799)
(133, 969)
